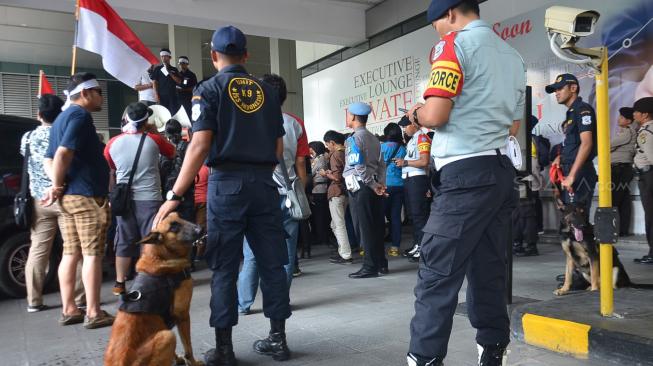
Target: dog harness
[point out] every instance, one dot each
(153, 295)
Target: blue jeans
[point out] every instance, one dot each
(392, 206)
(248, 279)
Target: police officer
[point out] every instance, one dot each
(164, 82)
(416, 183)
(364, 176)
(622, 150)
(239, 125)
(469, 224)
(643, 114)
(579, 145)
(188, 82)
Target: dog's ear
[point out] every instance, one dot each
(153, 237)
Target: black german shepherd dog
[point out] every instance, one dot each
(582, 253)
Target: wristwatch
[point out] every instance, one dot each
(171, 196)
(415, 119)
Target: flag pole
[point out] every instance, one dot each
(40, 82)
(72, 68)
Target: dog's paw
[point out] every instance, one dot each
(179, 360)
(560, 292)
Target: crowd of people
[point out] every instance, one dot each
(230, 173)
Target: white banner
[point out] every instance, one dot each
(393, 75)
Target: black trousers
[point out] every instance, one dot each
(367, 215)
(417, 204)
(622, 174)
(524, 222)
(245, 204)
(646, 194)
(466, 236)
(320, 218)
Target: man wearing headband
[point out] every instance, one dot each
(164, 80)
(643, 114)
(188, 82)
(238, 130)
(120, 153)
(474, 97)
(80, 180)
(622, 151)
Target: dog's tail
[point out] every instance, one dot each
(641, 286)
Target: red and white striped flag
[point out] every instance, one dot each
(101, 30)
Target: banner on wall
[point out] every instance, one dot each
(393, 75)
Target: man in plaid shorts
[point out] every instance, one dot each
(80, 180)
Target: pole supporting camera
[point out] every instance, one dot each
(570, 25)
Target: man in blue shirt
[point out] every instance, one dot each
(80, 180)
(238, 129)
(475, 95)
(578, 147)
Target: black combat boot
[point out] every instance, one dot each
(223, 353)
(529, 251)
(417, 360)
(517, 249)
(275, 344)
(492, 355)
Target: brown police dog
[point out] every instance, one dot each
(158, 300)
(582, 253)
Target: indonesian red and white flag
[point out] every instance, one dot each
(44, 85)
(101, 30)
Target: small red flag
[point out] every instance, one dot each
(44, 85)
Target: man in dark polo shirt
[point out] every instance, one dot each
(80, 180)
(165, 78)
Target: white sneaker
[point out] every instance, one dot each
(412, 251)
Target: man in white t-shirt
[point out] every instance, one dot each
(144, 89)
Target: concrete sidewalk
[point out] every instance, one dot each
(336, 321)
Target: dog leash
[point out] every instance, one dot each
(200, 240)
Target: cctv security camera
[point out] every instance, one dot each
(570, 22)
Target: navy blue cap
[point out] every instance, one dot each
(561, 80)
(643, 105)
(359, 109)
(438, 8)
(404, 121)
(229, 41)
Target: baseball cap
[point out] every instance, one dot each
(229, 41)
(561, 80)
(438, 8)
(644, 105)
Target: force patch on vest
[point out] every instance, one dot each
(246, 94)
(586, 120)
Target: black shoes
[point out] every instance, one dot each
(529, 251)
(336, 259)
(223, 355)
(411, 252)
(417, 360)
(274, 345)
(384, 270)
(647, 259)
(364, 273)
(493, 355)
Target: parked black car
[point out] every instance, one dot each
(14, 241)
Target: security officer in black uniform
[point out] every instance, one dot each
(239, 125)
(164, 82)
(579, 145)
